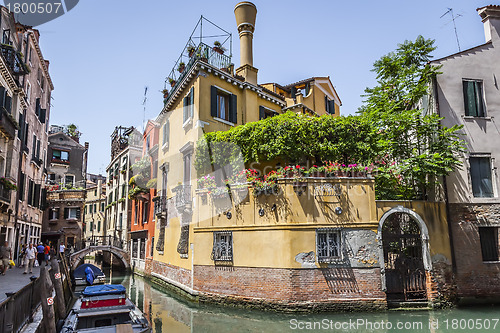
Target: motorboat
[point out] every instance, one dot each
(79, 275)
(105, 309)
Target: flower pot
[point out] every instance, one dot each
(182, 68)
(172, 84)
(191, 53)
(218, 50)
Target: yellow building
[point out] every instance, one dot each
(315, 244)
(94, 211)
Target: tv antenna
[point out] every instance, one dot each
(453, 18)
(144, 101)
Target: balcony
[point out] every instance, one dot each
(37, 161)
(183, 199)
(14, 60)
(8, 124)
(196, 50)
(4, 194)
(160, 207)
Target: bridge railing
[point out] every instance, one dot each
(106, 240)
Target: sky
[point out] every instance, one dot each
(103, 53)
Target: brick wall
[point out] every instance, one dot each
(171, 272)
(474, 278)
(334, 288)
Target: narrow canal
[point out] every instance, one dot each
(170, 313)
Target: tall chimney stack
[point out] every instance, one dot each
(491, 20)
(246, 13)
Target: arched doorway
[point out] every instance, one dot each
(404, 255)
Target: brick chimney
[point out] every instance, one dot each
(490, 16)
(245, 13)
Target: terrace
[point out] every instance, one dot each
(197, 49)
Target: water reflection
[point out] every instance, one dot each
(170, 313)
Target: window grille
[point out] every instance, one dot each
(223, 246)
(328, 244)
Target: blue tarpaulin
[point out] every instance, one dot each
(105, 289)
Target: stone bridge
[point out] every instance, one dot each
(121, 254)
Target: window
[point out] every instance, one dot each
(329, 106)
(72, 213)
(328, 244)
(53, 213)
(28, 92)
(142, 251)
(148, 142)
(488, 237)
(223, 105)
(95, 208)
(266, 113)
(473, 98)
(90, 209)
(187, 169)
(5, 100)
(102, 206)
(188, 106)
(69, 181)
(124, 190)
(134, 248)
(120, 223)
(136, 215)
(60, 156)
(152, 246)
(223, 246)
(480, 172)
(98, 226)
(166, 134)
(145, 212)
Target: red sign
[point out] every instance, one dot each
(57, 275)
(50, 300)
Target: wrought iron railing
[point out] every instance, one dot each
(14, 60)
(160, 203)
(4, 193)
(105, 240)
(183, 199)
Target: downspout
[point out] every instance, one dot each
(445, 189)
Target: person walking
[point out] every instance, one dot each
(5, 255)
(62, 248)
(30, 259)
(22, 255)
(40, 256)
(46, 254)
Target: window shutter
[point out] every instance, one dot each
(66, 213)
(30, 192)
(37, 107)
(293, 92)
(185, 110)
(56, 214)
(20, 133)
(2, 96)
(489, 243)
(233, 109)
(262, 113)
(43, 199)
(479, 98)
(43, 115)
(331, 107)
(78, 213)
(21, 187)
(191, 102)
(36, 196)
(469, 98)
(327, 106)
(8, 103)
(213, 101)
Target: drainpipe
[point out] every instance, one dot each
(446, 195)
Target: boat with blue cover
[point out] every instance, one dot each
(79, 275)
(105, 309)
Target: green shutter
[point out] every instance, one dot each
(185, 110)
(213, 101)
(78, 213)
(327, 105)
(8, 103)
(191, 101)
(66, 213)
(20, 133)
(233, 109)
(2, 96)
(469, 98)
(331, 107)
(479, 98)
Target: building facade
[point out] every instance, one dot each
(94, 211)
(466, 93)
(63, 221)
(126, 148)
(142, 224)
(26, 99)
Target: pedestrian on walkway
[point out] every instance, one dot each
(30, 259)
(62, 247)
(40, 256)
(22, 255)
(46, 253)
(5, 255)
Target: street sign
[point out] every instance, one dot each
(50, 300)
(57, 275)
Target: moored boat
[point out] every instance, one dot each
(105, 308)
(79, 276)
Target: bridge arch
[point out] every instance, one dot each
(121, 254)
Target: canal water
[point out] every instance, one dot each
(171, 313)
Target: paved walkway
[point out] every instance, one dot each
(14, 280)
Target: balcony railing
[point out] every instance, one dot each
(8, 123)
(14, 60)
(183, 199)
(4, 193)
(160, 207)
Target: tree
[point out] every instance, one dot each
(72, 131)
(419, 150)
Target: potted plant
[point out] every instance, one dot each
(165, 93)
(172, 82)
(190, 50)
(181, 67)
(218, 47)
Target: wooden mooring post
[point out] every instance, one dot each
(47, 301)
(56, 277)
